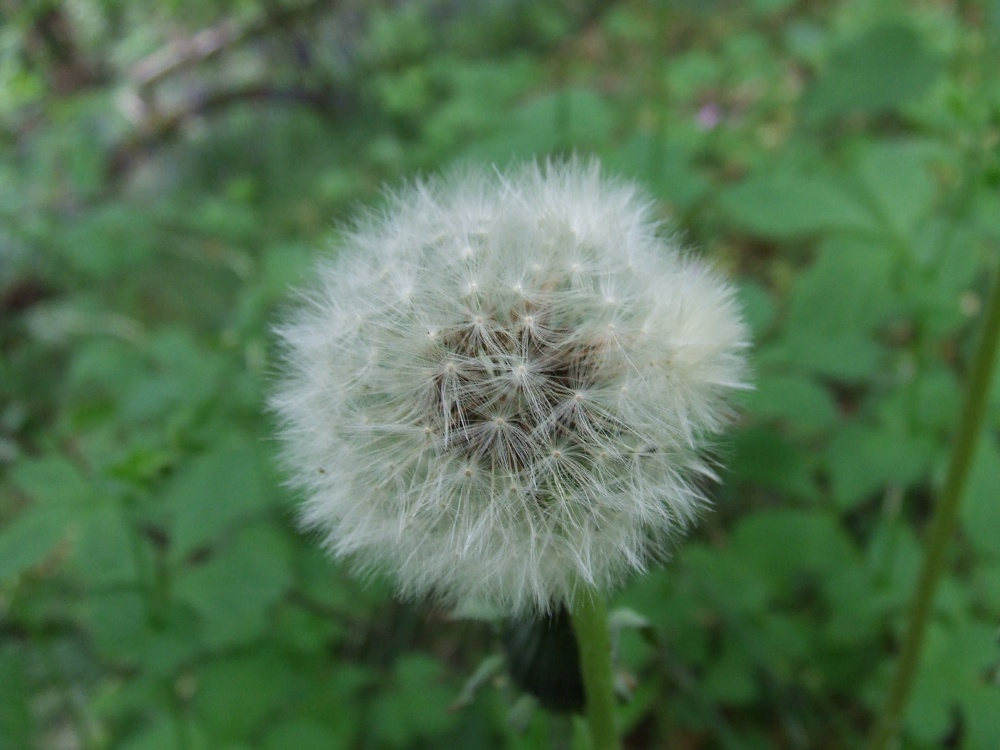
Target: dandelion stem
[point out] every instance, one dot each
(943, 523)
(593, 635)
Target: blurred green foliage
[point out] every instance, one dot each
(169, 170)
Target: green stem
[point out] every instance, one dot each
(943, 524)
(593, 636)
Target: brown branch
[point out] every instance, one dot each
(205, 44)
(184, 53)
(168, 125)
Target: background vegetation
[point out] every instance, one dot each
(169, 169)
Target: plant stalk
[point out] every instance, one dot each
(943, 523)
(593, 635)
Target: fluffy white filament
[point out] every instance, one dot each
(501, 387)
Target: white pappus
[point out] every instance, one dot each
(502, 386)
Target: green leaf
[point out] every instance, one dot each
(847, 294)
(224, 220)
(234, 590)
(186, 375)
(238, 695)
(857, 608)
(949, 261)
(663, 167)
(986, 209)
(730, 678)
(895, 176)
(725, 578)
(104, 552)
(757, 305)
(782, 545)
(15, 716)
(986, 585)
(571, 119)
(415, 706)
(875, 72)
(109, 366)
(953, 663)
(106, 241)
(31, 538)
(847, 290)
(934, 398)
(212, 493)
(783, 644)
(797, 401)
(765, 457)
(791, 205)
(52, 480)
(981, 714)
(170, 644)
(158, 733)
(309, 735)
(117, 622)
(848, 357)
(862, 460)
(980, 511)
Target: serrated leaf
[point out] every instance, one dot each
(117, 622)
(104, 551)
(52, 480)
(848, 356)
(981, 713)
(857, 610)
(570, 119)
(949, 264)
(980, 511)
(236, 695)
(797, 401)
(862, 460)
(766, 457)
(109, 239)
(234, 589)
(664, 167)
(934, 398)
(185, 376)
(224, 220)
(781, 545)
(212, 493)
(848, 289)
(896, 178)
(726, 578)
(875, 72)
(415, 705)
(757, 305)
(108, 365)
(986, 584)
(730, 678)
(953, 663)
(31, 537)
(790, 205)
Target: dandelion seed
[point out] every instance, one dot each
(517, 435)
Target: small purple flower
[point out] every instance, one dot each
(709, 116)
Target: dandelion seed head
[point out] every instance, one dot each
(504, 387)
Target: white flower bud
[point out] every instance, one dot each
(502, 386)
